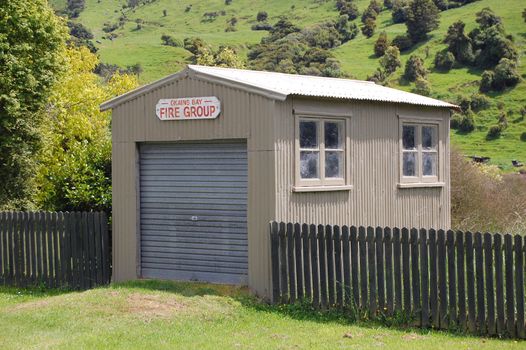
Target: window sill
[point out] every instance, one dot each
(321, 188)
(420, 184)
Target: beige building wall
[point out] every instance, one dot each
(375, 199)
(244, 116)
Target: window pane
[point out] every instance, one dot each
(429, 164)
(309, 164)
(408, 136)
(333, 135)
(429, 137)
(409, 166)
(333, 164)
(308, 134)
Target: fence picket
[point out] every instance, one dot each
(3, 247)
(16, 247)
(354, 266)
(442, 280)
(461, 281)
(519, 286)
(338, 265)
(297, 251)
(499, 281)
(33, 254)
(92, 253)
(371, 267)
(363, 267)
(274, 257)
(346, 261)
(424, 278)
(323, 266)
(98, 248)
(306, 260)
(479, 272)
(397, 269)
(290, 262)
(297, 259)
(406, 271)
(10, 243)
(433, 277)
(27, 250)
(283, 263)
(470, 279)
(508, 274)
(452, 281)
(490, 299)
(106, 249)
(329, 245)
(388, 248)
(314, 266)
(415, 276)
(380, 279)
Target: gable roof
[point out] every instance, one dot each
(280, 85)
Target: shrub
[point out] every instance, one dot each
(459, 43)
(444, 60)
(399, 14)
(391, 60)
(523, 136)
(506, 74)
(442, 5)
(375, 5)
(455, 120)
(414, 68)
(262, 16)
(369, 27)
(349, 8)
(422, 87)
(165, 13)
(388, 4)
(479, 102)
(110, 27)
(369, 13)
(467, 124)
(261, 26)
(486, 81)
(347, 30)
(403, 42)
(381, 44)
(422, 17)
(494, 131)
(228, 2)
(379, 76)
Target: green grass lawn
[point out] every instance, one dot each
(170, 315)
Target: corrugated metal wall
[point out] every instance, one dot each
(244, 116)
(375, 198)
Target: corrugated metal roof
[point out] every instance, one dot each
(281, 85)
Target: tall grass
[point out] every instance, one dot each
(484, 200)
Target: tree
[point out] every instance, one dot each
(31, 40)
(369, 13)
(262, 16)
(506, 75)
(349, 8)
(444, 60)
(381, 44)
(375, 5)
(422, 87)
(403, 42)
(487, 18)
(388, 4)
(74, 171)
(369, 27)
(414, 68)
(422, 18)
(459, 44)
(399, 13)
(391, 60)
(347, 30)
(223, 57)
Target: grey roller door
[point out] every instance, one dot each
(193, 212)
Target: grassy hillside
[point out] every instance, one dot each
(144, 46)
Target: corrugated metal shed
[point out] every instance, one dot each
(280, 85)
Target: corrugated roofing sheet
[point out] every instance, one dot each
(304, 85)
(280, 85)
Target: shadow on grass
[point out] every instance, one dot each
(301, 311)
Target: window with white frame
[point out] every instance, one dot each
(321, 152)
(419, 152)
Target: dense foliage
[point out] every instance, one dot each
(414, 68)
(31, 40)
(74, 171)
(422, 17)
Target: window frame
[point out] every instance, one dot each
(322, 183)
(420, 180)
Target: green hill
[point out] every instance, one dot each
(185, 19)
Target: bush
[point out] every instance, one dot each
(388, 4)
(349, 8)
(414, 68)
(486, 81)
(261, 26)
(391, 60)
(459, 43)
(467, 124)
(403, 42)
(455, 120)
(110, 27)
(369, 27)
(422, 87)
(442, 5)
(262, 16)
(494, 131)
(479, 102)
(381, 44)
(399, 14)
(422, 17)
(523, 136)
(506, 75)
(444, 60)
(369, 13)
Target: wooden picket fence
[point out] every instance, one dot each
(440, 279)
(54, 249)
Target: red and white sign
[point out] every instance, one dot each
(188, 108)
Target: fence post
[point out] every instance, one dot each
(424, 277)
(406, 271)
(371, 265)
(363, 267)
(451, 279)
(442, 281)
(470, 279)
(519, 286)
(388, 269)
(290, 262)
(461, 281)
(490, 299)
(314, 266)
(299, 270)
(499, 281)
(283, 264)
(510, 303)
(354, 266)
(415, 276)
(306, 260)
(397, 269)
(433, 277)
(380, 281)
(346, 265)
(338, 265)
(329, 245)
(323, 266)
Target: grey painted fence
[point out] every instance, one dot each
(54, 249)
(439, 279)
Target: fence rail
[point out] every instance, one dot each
(440, 279)
(56, 249)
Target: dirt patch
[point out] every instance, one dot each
(412, 336)
(31, 305)
(149, 306)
